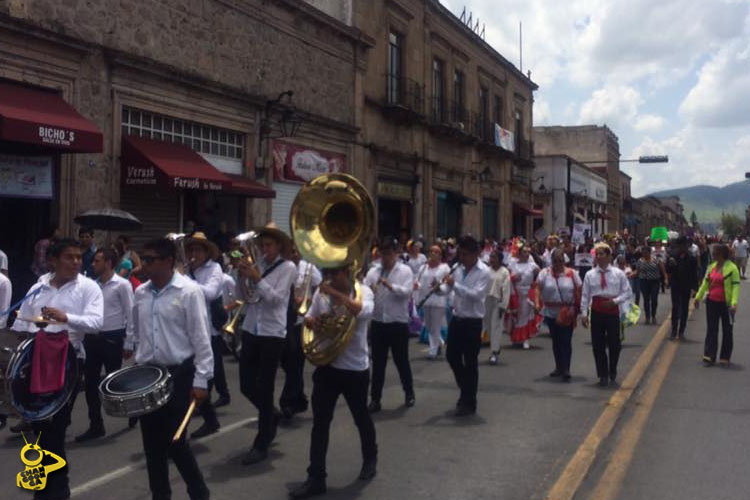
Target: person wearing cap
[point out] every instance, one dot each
(605, 287)
(264, 331)
(682, 270)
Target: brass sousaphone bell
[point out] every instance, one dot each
(332, 221)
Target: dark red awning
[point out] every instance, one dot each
(168, 165)
(526, 210)
(42, 118)
(244, 186)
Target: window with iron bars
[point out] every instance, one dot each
(201, 138)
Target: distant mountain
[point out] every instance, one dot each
(709, 202)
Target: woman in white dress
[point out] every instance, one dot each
(429, 276)
(525, 320)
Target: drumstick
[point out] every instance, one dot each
(181, 429)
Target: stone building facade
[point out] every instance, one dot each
(432, 92)
(595, 146)
(198, 73)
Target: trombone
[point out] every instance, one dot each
(231, 325)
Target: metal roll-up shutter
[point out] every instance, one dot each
(159, 212)
(282, 204)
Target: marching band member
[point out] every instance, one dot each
(104, 348)
(429, 277)
(496, 303)
(393, 283)
(264, 333)
(470, 284)
(605, 287)
(66, 297)
(170, 329)
(347, 375)
(293, 399)
(206, 272)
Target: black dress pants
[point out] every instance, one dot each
(462, 353)
(680, 305)
(219, 381)
(52, 439)
(259, 361)
(562, 347)
(715, 312)
(650, 289)
(103, 349)
(328, 384)
(393, 337)
(605, 336)
(157, 429)
(293, 363)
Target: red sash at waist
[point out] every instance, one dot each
(598, 305)
(48, 362)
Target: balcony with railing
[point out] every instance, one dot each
(404, 99)
(524, 153)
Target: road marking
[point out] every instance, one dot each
(124, 471)
(572, 476)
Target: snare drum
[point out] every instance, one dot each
(135, 390)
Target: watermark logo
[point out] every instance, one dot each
(34, 475)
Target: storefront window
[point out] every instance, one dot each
(490, 208)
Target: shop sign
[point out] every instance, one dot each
(26, 176)
(394, 190)
(140, 176)
(294, 163)
(56, 136)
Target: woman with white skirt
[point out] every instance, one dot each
(430, 277)
(496, 303)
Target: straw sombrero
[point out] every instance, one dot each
(272, 230)
(200, 238)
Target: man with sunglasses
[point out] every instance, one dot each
(171, 330)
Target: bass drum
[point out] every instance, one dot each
(38, 407)
(135, 390)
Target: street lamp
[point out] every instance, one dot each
(289, 123)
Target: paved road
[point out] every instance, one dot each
(526, 430)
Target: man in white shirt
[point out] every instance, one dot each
(206, 272)
(104, 348)
(605, 287)
(347, 375)
(170, 329)
(264, 333)
(75, 304)
(6, 292)
(392, 283)
(496, 303)
(293, 399)
(740, 247)
(470, 284)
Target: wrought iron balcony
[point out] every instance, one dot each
(405, 96)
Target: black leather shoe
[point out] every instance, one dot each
(310, 488)
(464, 411)
(409, 400)
(21, 426)
(204, 430)
(132, 422)
(603, 382)
(91, 433)
(566, 377)
(555, 374)
(374, 406)
(222, 401)
(369, 470)
(287, 412)
(254, 456)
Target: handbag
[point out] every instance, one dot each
(566, 316)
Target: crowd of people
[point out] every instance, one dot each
(169, 303)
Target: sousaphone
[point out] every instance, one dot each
(332, 222)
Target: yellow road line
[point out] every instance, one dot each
(571, 477)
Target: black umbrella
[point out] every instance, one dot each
(109, 219)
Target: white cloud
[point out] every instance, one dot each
(542, 113)
(649, 123)
(613, 105)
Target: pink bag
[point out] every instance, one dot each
(48, 362)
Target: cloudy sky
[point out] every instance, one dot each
(668, 76)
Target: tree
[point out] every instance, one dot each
(731, 225)
(694, 220)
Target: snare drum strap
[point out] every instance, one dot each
(48, 362)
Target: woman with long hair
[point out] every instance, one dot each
(525, 320)
(649, 271)
(430, 276)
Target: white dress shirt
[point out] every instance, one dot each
(356, 354)
(267, 318)
(557, 291)
(500, 285)
(315, 280)
(415, 263)
(170, 326)
(617, 289)
(470, 289)
(428, 277)
(6, 291)
(118, 304)
(391, 306)
(210, 279)
(80, 299)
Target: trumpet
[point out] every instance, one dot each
(230, 326)
(250, 289)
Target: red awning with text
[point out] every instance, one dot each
(44, 119)
(166, 165)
